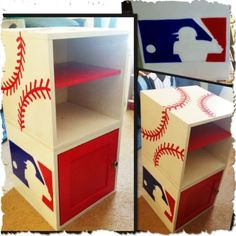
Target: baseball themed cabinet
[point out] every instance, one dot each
(63, 104)
(186, 142)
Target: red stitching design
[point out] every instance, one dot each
(203, 106)
(153, 135)
(29, 95)
(184, 99)
(11, 85)
(167, 149)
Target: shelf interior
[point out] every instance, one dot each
(72, 73)
(200, 164)
(76, 123)
(206, 134)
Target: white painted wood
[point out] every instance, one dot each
(158, 205)
(73, 115)
(103, 96)
(61, 95)
(224, 124)
(110, 52)
(170, 165)
(39, 206)
(220, 107)
(200, 165)
(60, 51)
(45, 155)
(185, 109)
(36, 58)
(86, 124)
(222, 150)
(68, 32)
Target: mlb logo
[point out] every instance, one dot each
(159, 195)
(184, 40)
(33, 174)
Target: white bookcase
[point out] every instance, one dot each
(186, 143)
(63, 105)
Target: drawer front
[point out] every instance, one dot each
(197, 198)
(86, 174)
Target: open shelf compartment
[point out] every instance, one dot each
(75, 123)
(206, 134)
(200, 164)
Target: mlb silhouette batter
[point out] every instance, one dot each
(189, 48)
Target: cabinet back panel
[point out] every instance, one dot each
(60, 51)
(224, 123)
(222, 150)
(103, 96)
(61, 95)
(109, 51)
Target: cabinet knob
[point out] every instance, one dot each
(216, 190)
(115, 164)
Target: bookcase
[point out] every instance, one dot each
(64, 98)
(186, 142)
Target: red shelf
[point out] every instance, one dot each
(71, 73)
(206, 134)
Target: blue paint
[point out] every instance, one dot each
(151, 184)
(19, 156)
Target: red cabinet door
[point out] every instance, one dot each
(86, 174)
(197, 198)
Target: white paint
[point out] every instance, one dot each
(151, 48)
(14, 164)
(35, 185)
(190, 49)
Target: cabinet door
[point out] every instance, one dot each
(86, 174)
(197, 198)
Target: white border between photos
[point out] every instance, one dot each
(81, 6)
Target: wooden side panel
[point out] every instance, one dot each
(160, 194)
(34, 174)
(86, 174)
(164, 139)
(28, 86)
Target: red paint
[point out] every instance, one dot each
(206, 134)
(47, 177)
(203, 106)
(153, 135)
(31, 93)
(11, 85)
(167, 149)
(183, 100)
(217, 27)
(86, 174)
(68, 74)
(171, 203)
(197, 198)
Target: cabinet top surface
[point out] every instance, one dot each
(65, 32)
(192, 104)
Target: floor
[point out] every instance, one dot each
(117, 209)
(216, 218)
